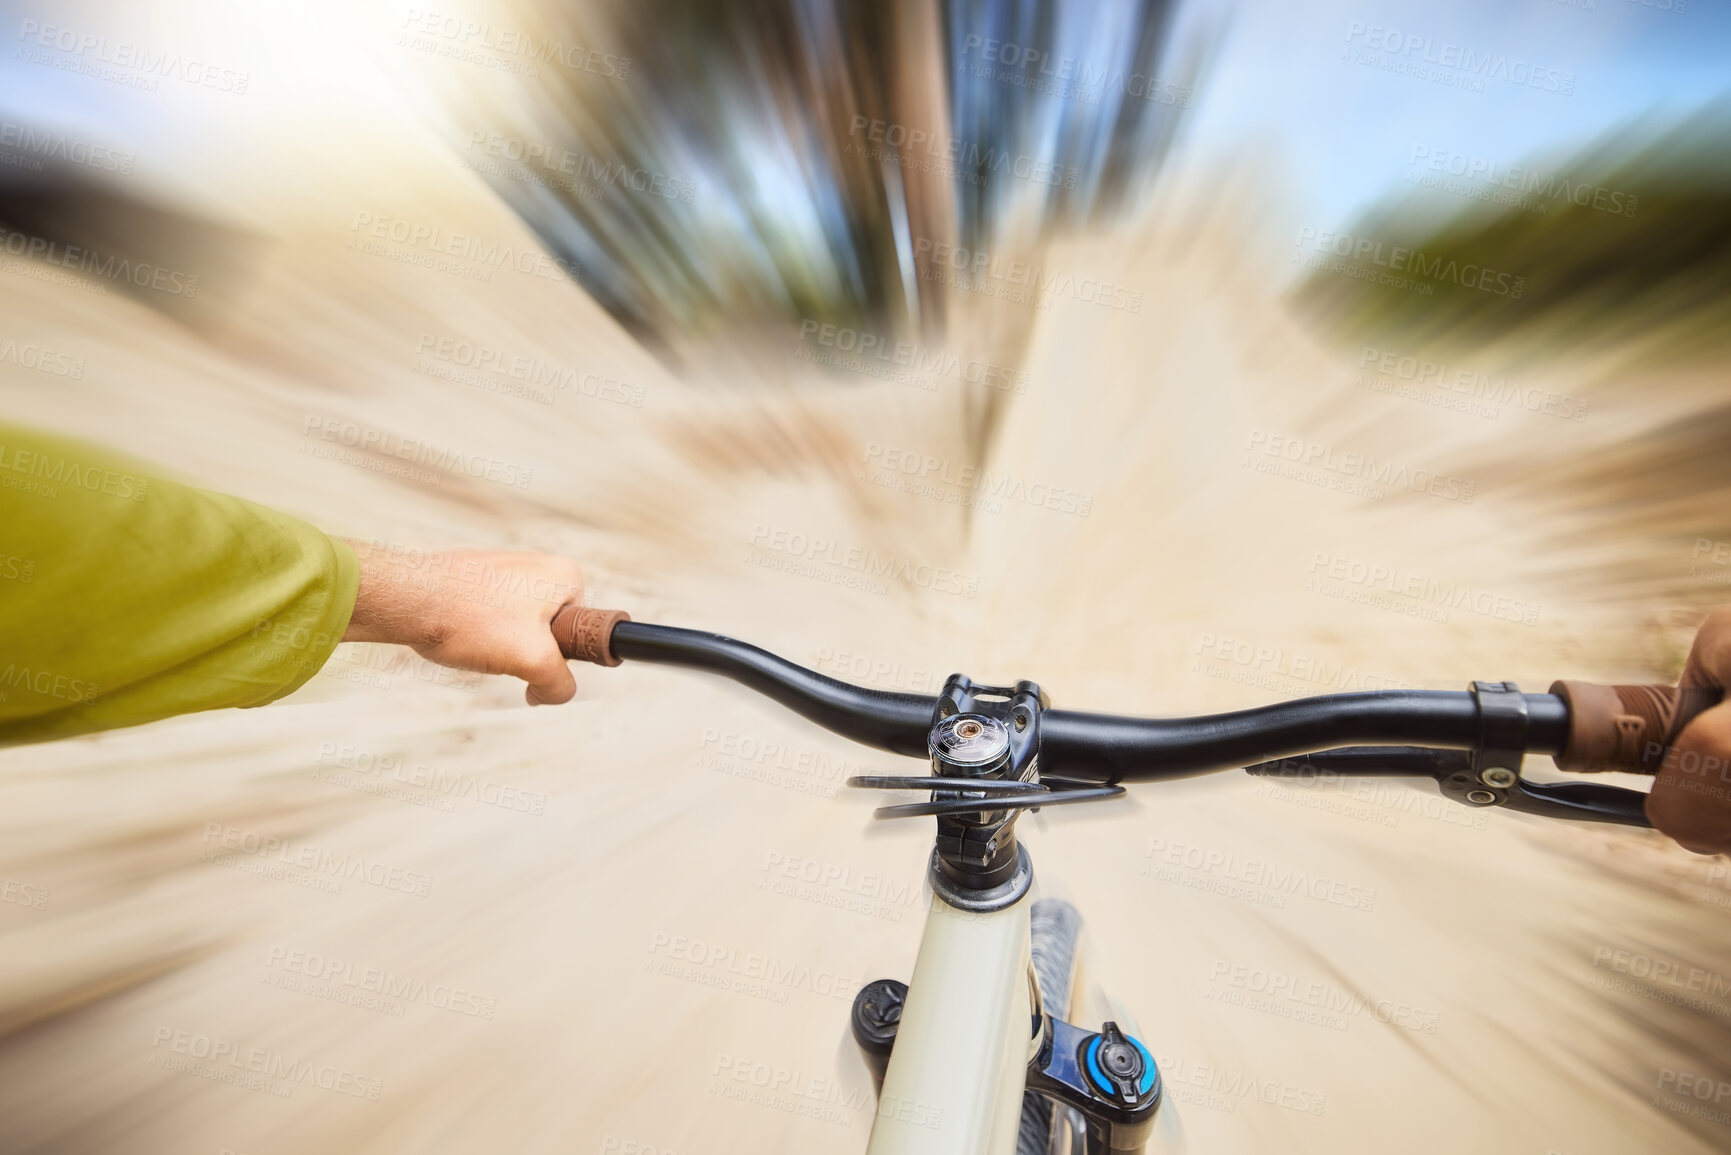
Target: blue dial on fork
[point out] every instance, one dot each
(1098, 1077)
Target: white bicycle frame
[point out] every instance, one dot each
(955, 1078)
(960, 1062)
(961, 1053)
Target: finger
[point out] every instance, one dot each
(1672, 818)
(550, 680)
(1691, 797)
(572, 576)
(1710, 656)
(565, 578)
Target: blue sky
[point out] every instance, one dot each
(1345, 132)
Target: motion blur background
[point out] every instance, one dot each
(1181, 357)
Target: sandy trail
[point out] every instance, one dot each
(570, 929)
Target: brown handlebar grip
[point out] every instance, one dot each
(1628, 728)
(587, 635)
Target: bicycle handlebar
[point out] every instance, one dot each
(1096, 747)
(894, 722)
(1118, 749)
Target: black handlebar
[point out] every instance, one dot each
(1103, 747)
(893, 722)
(1109, 748)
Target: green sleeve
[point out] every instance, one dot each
(125, 598)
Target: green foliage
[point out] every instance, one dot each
(1628, 240)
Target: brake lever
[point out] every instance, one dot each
(1496, 770)
(1487, 775)
(1453, 772)
(1582, 801)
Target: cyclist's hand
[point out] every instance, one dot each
(471, 610)
(1691, 798)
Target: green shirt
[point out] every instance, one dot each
(125, 598)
